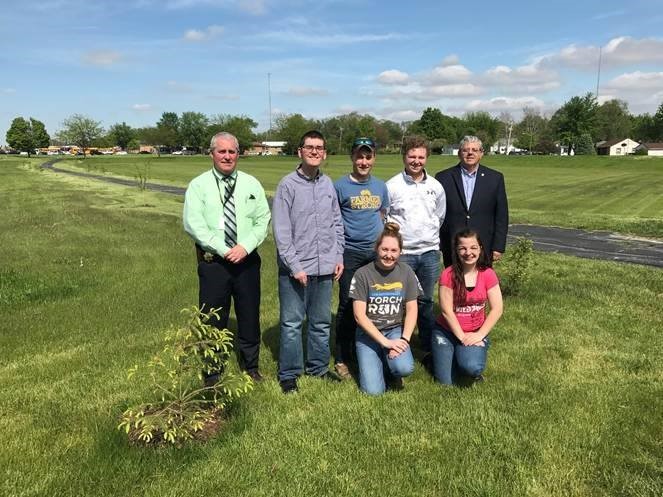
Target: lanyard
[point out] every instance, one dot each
(224, 200)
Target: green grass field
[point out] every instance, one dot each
(622, 194)
(91, 274)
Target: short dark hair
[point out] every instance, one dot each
(312, 134)
(415, 141)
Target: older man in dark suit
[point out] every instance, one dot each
(476, 199)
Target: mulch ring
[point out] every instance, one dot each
(209, 430)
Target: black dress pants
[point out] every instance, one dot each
(221, 281)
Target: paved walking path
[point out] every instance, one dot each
(580, 243)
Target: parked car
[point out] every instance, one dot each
(177, 152)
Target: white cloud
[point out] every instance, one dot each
(142, 107)
(447, 74)
(393, 77)
(304, 38)
(617, 52)
(636, 82)
(207, 34)
(505, 104)
(642, 91)
(254, 7)
(450, 60)
(101, 57)
(532, 78)
(176, 86)
(306, 91)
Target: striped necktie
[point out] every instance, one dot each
(229, 222)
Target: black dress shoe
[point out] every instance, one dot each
(289, 386)
(211, 380)
(331, 376)
(255, 376)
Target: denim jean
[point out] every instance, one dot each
(296, 302)
(427, 268)
(452, 359)
(345, 320)
(372, 359)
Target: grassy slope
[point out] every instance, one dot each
(89, 279)
(612, 193)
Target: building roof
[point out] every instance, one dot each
(608, 144)
(652, 146)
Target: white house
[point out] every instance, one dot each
(616, 147)
(651, 148)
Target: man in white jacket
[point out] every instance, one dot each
(418, 205)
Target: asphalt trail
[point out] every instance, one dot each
(602, 245)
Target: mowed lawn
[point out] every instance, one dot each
(92, 274)
(623, 194)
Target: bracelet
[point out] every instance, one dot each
(403, 338)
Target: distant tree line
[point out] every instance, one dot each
(578, 125)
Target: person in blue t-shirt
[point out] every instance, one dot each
(364, 200)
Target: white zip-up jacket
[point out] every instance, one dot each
(419, 209)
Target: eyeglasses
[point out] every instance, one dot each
(224, 152)
(363, 141)
(311, 148)
(466, 151)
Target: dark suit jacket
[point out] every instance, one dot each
(488, 213)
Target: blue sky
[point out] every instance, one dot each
(131, 60)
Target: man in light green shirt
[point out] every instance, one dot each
(226, 214)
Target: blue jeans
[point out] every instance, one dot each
(451, 359)
(312, 301)
(345, 319)
(372, 359)
(427, 268)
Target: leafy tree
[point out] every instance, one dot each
(290, 129)
(613, 121)
(437, 127)
(644, 128)
(80, 130)
(388, 135)
(482, 125)
(167, 131)
(240, 126)
(658, 123)
(26, 135)
(121, 135)
(530, 130)
(585, 145)
(574, 119)
(193, 130)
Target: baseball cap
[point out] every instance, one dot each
(363, 142)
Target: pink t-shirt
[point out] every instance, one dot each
(472, 313)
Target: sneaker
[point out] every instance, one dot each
(479, 379)
(289, 386)
(330, 376)
(395, 383)
(255, 376)
(211, 380)
(342, 371)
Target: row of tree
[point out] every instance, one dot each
(578, 124)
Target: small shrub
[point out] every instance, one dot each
(143, 175)
(514, 267)
(186, 407)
